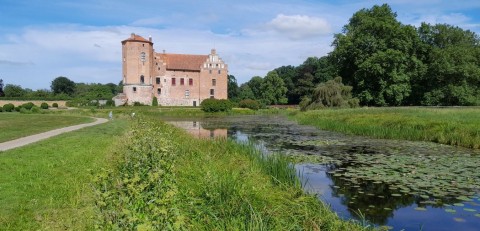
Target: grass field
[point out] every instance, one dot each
(15, 125)
(47, 185)
(452, 126)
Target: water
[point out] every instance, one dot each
(400, 184)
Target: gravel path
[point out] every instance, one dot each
(41, 136)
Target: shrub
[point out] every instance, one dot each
(8, 107)
(44, 105)
(216, 105)
(138, 104)
(35, 109)
(249, 103)
(155, 101)
(55, 105)
(110, 102)
(1, 109)
(28, 105)
(18, 108)
(24, 110)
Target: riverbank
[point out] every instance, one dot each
(452, 126)
(166, 179)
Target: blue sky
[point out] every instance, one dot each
(41, 40)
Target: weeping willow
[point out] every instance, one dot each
(330, 94)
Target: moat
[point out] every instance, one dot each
(401, 185)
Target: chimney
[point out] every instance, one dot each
(133, 35)
(214, 52)
(150, 38)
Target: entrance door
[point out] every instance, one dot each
(194, 103)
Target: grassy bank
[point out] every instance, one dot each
(14, 125)
(166, 179)
(452, 126)
(47, 185)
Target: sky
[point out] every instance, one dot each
(81, 40)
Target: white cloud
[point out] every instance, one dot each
(153, 21)
(299, 26)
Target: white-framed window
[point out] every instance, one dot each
(187, 93)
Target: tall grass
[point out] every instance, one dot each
(213, 185)
(452, 126)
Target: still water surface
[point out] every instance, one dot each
(399, 184)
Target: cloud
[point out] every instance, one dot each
(153, 21)
(15, 63)
(299, 26)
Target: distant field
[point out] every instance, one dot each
(16, 125)
(453, 126)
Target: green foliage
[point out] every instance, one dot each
(55, 105)
(140, 192)
(44, 105)
(453, 126)
(245, 92)
(249, 103)
(63, 85)
(138, 104)
(18, 108)
(216, 105)
(376, 55)
(28, 105)
(35, 109)
(330, 94)
(94, 91)
(1, 109)
(233, 89)
(11, 90)
(155, 101)
(273, 90)
(8, 107)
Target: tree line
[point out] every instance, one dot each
(65, 89)
(385, 62)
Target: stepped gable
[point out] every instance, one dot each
(184, 61)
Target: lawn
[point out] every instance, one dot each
(47, 185)
(16, 125)
(452, 126)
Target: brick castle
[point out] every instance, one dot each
(175, 79)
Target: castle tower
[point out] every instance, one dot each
(137, 59)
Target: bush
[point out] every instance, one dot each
(28, 105)
(19, 108)
(216, 105)
(249, 103)
(155, 101)
(110, 102)
(44, 105)
(35, 109)
(24, 110)
(1, 109)
(55, 105)
(8, 107)
(138, 104)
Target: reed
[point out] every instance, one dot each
(452, 126)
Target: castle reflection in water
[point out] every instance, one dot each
(196, 129)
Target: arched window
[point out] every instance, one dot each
(142, 79)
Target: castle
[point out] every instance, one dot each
(175, 79)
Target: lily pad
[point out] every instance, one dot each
(421, 209)
(450, 210)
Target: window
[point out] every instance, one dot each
(158, 80)
(182, 81)
(142, 79)
(219, 71)
(212, 92)
(159, 91)
(187, 93)
(210, 71)
(173, 82)
(134, 89)
(190, 82)
(214, 82)
(165, 80)
(216, 65)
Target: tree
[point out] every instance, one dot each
(452, 55)
(273, 90)
(255, 84)
(288, 75)
(245, 92)
(377, 56)
(2, 94)
(63, 85)
(11, 90)
(330, 94)
(232, 88)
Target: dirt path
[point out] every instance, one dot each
(41, 136)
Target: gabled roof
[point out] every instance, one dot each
(184, 62)
(136, 38)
